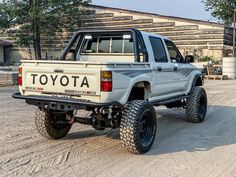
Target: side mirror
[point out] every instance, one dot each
(189, 59)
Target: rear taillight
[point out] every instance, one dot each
(106, 81)
(20, 76)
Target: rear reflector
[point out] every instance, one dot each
(20, 76)
(20, 81)
(106, 86)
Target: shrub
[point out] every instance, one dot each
(206, 59)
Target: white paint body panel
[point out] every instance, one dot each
(163, 85)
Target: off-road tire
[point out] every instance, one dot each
(196, 105)
(45, 125)
(131, 129)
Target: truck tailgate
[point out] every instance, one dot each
(61, 78)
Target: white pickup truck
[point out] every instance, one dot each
(118, 76)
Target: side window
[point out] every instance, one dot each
(158, 50)
(173, 51)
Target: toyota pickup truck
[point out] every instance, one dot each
(118, 77)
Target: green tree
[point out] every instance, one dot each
(40, 17)
(221, 9)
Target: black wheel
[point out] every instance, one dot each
(138, 126)
(51, 125)
(196, 107)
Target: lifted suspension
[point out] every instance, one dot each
(100, 119)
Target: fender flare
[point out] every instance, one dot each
(198, 76)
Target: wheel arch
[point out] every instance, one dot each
(197, 81)
(140, 90)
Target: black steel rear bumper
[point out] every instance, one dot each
(61, 103)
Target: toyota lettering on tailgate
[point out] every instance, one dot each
(62, 80)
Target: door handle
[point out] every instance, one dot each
(159, 68)
(175, 68)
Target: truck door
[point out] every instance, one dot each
(181, 72)
(162, 70)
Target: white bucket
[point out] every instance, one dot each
(229, 67)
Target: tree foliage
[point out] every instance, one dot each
(40, 17)
(221, 9)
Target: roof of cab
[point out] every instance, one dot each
(154, 35)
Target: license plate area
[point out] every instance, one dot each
(63, 84)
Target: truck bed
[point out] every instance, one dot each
(78, 80)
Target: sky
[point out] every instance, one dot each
(181, 8)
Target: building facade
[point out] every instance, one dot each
(5, 52)
(193, 37)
